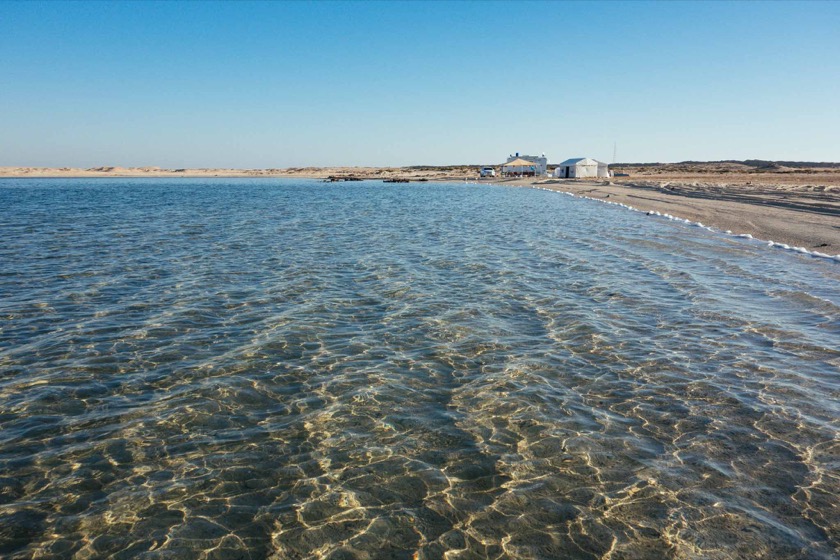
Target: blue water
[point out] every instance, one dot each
(291, 369)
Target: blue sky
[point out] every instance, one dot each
(180, 84)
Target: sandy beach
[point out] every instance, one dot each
(797, 207)
(794, 215)
(437, 173)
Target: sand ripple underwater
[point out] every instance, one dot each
(291, 369)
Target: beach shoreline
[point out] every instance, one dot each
(795, 209)
(428, 173)
(783, 214)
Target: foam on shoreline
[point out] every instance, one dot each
(783, 246)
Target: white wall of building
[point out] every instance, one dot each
(540, 164)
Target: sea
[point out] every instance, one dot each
(286, 368)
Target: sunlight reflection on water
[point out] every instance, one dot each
(288, 369)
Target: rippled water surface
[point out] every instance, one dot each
(290, 369)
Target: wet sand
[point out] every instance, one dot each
(796, 215)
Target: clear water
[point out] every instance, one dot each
(290, 369)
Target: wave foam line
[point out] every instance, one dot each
(729, 233)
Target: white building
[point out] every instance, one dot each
(582, 167)
(525, 165)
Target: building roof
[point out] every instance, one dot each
(582, 161)
(519, 163)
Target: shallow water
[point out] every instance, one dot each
(290, 369)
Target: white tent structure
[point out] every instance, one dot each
(582, 167)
